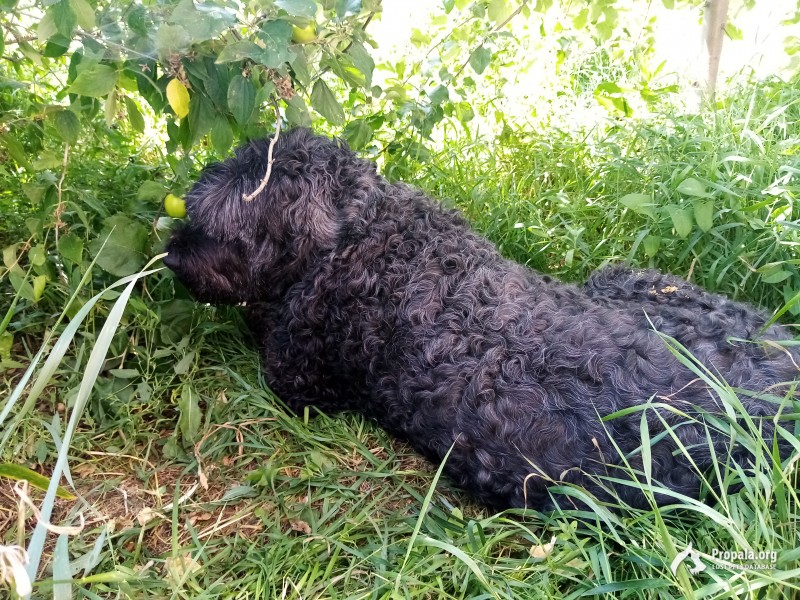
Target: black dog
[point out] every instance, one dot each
(369, 296)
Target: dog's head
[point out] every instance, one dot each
(233, 250)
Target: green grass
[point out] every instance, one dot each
(333, 507)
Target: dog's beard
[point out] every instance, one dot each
(211, 270)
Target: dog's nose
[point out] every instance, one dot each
(171, 260)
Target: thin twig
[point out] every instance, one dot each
(20, 40)
(270, 159)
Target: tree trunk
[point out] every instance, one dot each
(716, 17)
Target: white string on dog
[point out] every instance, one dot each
(270, 159)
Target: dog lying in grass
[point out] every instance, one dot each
(367, 295)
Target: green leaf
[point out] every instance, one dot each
(580, 20)
(217, 85)
(110, 108)
(175, 320)
(776, 276)
(35, 191)
(47, 160)
(419, 38)
(277, 36)
(6, 344)
(480, 59)
(692, 187)
(172, 39)
(20, 473)
(201, 117)
(134, 115)
(202, 21)
(297, 111)
(415, 150)
(670, 4)
(464, 112)
(37, 255)
(733, 32)
(46, 27)
(324, 102)
(10, 256)
(343, 67)
(84, 13)
(362, 61)
(605, 29)
(189, 408)
(183, 365)
(611, 96)
(137, 19)
(265, 94)
(358, 134)
(151, 191)
(345, 8)
(94, 80)
(21, 285)
(298, 8)
(15, 150)
(123, 253)
(439, 94)
(240, 50)
(10, 84)
(67, 125)
(499, 11)
(704, 214)
(30, 53)
(70, 247)
(221, 135)
(299, 64)
(651, 244)
(64, 18)
(39, 283)
(681, 219)
(56, 46)
(791, 46)
(640, 203)
(241, 98)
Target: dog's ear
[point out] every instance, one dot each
(213, 271)
(306, 192)
(310, 211)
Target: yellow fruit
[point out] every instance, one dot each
(301, 35)
(178, 97)
(175, 206)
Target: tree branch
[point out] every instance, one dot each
(715, 18)
(270, 159)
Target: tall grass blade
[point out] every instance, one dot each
(93, 367)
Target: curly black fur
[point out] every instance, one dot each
(369, 296)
